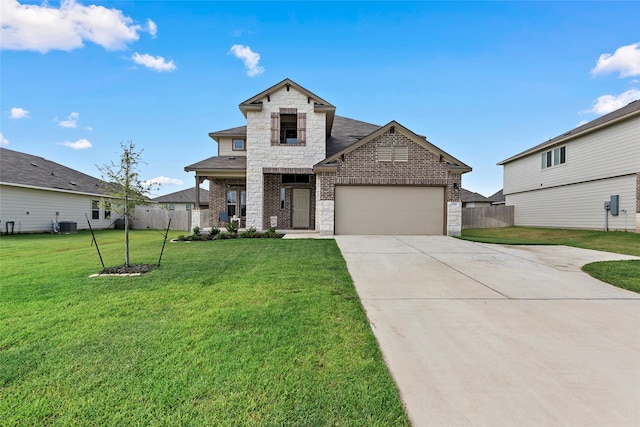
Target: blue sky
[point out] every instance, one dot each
(482, 80)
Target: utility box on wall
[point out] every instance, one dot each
(614, 205)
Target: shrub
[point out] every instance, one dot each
(213, 231)
(271, 233)
(249, 233)
(232, 227)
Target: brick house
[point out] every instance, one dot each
(297, 165)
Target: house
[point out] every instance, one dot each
(35, 193)
(497, 198)
(183, 200)
(472, 199)
(566, 181)
(298, 165)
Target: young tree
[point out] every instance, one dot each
(122, 182)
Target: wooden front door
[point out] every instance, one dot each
(301, 207)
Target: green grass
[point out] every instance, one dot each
(236, 332)
(624, 274)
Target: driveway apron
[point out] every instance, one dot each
(493, 335)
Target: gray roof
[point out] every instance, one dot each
(26, 169)
(184, 196)
(628, 110)
(498, 196)
(470, 196)
(345, 132)
(237, 131)
(219, 163)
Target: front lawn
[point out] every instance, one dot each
(235, 332)
(624, 274)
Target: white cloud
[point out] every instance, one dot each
(152, 28)
(156, 63)
(19, 113)
(43, 28)
(163, 180)
(608, 103)
(71, 122)
(249, 58)
(626, 61)
(81, 144)
(3, 140)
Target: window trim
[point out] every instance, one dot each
(233, 144)
(554, 157)
(95, 209)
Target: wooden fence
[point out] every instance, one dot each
(487, 217)
(155, 218)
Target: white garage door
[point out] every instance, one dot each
(376, 209)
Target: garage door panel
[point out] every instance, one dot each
(389, 210)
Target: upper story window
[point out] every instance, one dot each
(555, 157)
(239, 145)
(288, 127)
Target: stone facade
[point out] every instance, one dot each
(261, 154)
(361, 166)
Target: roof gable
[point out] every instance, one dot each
(320, 105)
(32, 171)
(397, 127)
(630, 110)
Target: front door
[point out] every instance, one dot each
(301, 205)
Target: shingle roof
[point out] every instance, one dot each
(631, 108)
(219, 163)
(184, 196)
(470, 196)
(26, 169)
(498, 196)
(237, 131)
(345, 132)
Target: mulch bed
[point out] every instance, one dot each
(133, 268)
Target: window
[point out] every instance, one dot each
(107, 210)
(288, 127)
(238, 145)
(555, 157)
(295, 179)
(188, 206)
(232, 200)
(283, 193)
(243, 203)
(172, 207)
(95, 209)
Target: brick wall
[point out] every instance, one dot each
(272, 186)
(218, 198)
(361, 167)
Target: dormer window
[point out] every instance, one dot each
(239, 145)
(288, 127)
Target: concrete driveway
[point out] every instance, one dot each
(491, 335)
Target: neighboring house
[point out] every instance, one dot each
(183, 200)
(497, 198)
(35, 193)
(473, 200)
(298, 165)
(566, 181)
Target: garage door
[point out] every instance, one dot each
(378, 209)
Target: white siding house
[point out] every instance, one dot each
(566, 181)
(35, 193)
